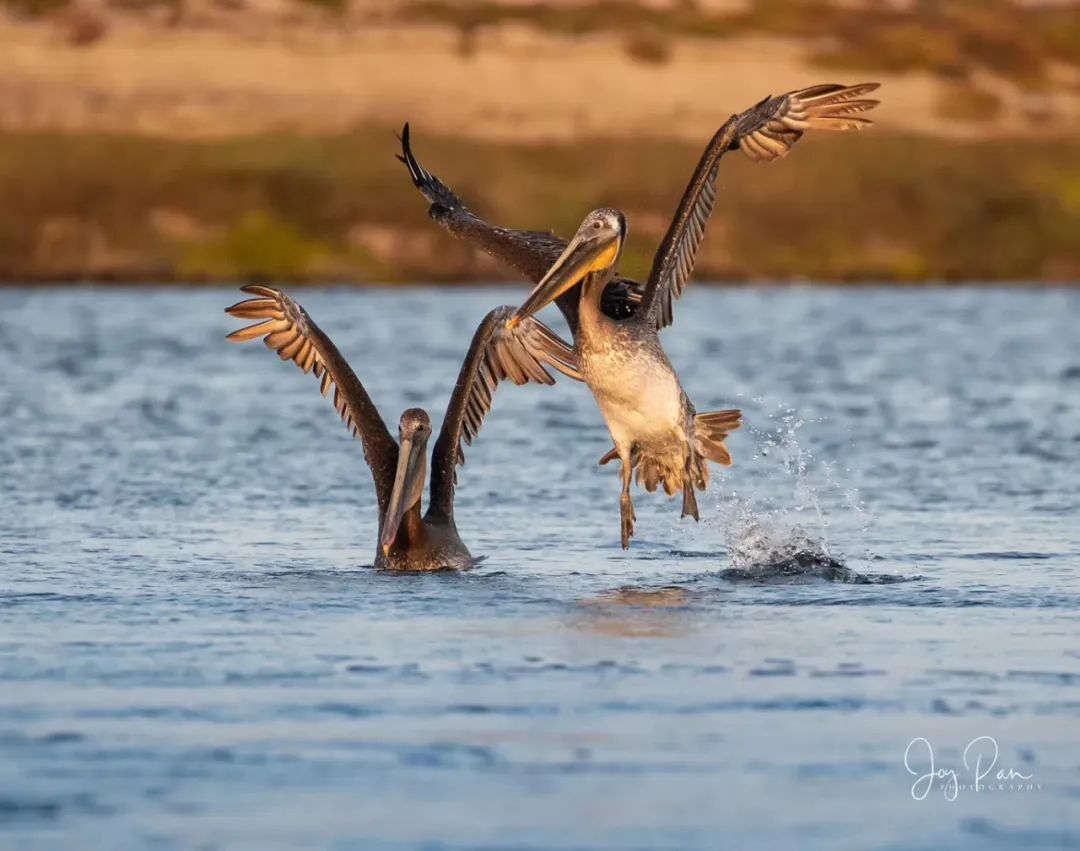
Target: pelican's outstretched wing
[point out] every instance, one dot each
(288, 330)
(530, 252)
(766, 131)
(522, 354)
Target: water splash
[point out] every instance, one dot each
(756, 541)
(782, 528)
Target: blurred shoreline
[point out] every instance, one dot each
(222, 141)
(843, 207)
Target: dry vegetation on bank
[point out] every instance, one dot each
(849, 208)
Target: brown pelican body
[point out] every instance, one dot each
(615, 322)
(410, 539)
(658, 434)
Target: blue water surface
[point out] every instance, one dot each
(196, 653)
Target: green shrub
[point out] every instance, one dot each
(259, 246)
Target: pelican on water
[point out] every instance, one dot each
(615, 321)
(409, 540)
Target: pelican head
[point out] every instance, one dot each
(595, 248)
(414, 429)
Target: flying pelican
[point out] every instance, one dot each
(765, 132)
(656, 430)
(407, 539)
(615, 321)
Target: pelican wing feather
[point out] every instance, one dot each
(765, 132)
(287, 329)
(528, 352)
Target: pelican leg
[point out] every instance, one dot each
(626, 505)
(689, 500)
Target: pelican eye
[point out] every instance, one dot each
(597, 225)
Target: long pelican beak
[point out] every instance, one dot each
(585, 254)
(410, 467)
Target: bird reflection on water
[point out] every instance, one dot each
(635, 612)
